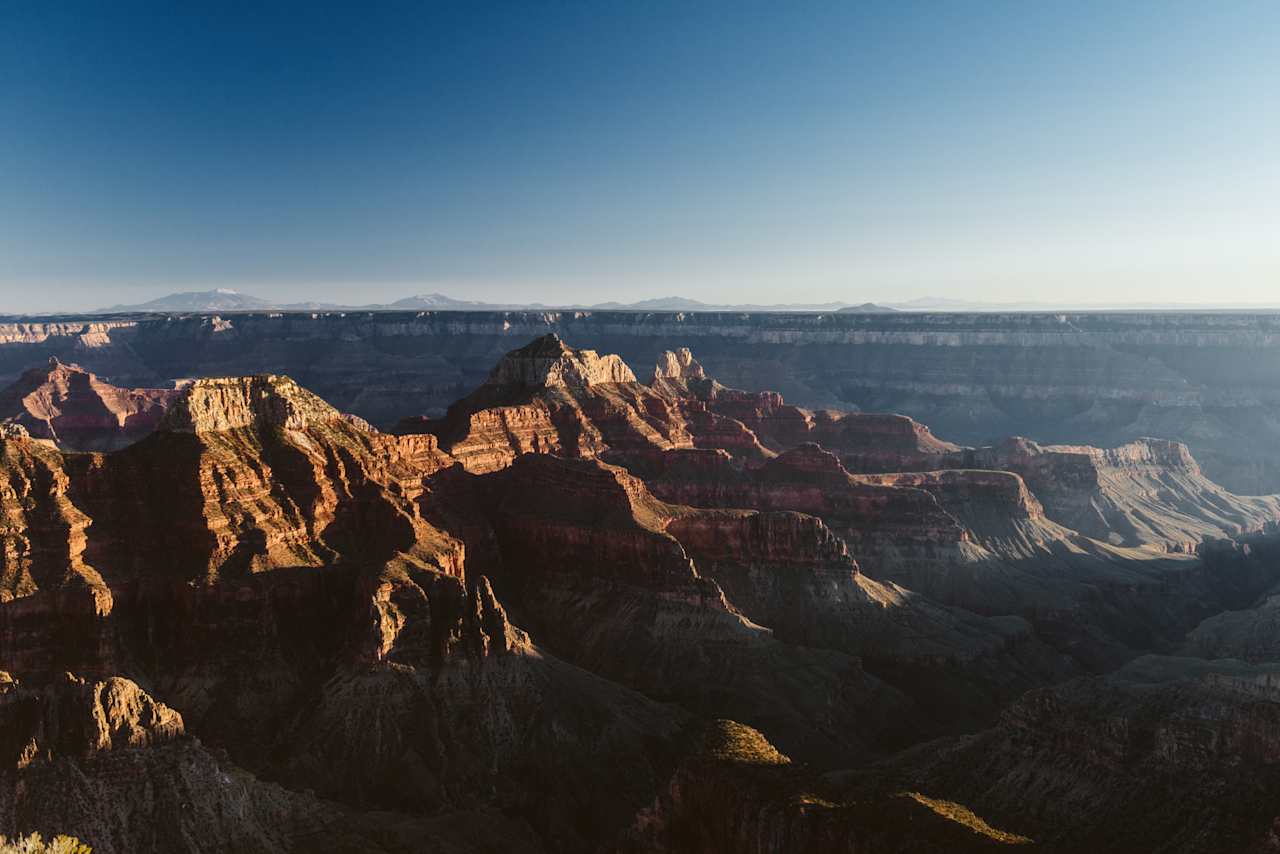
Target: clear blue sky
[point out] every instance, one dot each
(562, 151)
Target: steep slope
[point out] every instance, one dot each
(1205, 379)
(789, 571)
(978, 540)
(80, 412)
(1095, 763)
(1148, 492)
(972, 535)
(737, 792)
(107, 762)
(513, 626)
(264, 563)
(547, 397)
(578, 551)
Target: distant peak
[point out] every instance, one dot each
(54, 371)
(868, 308)
(550, 344)
(220, 299)
(549, 362)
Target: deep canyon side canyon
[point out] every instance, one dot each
(624, 582)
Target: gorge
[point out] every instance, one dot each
(588, 582)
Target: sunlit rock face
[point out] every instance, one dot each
(550, 363)
(580, 612)
(1207, 380)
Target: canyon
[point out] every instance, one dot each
(595, 582)
(1209, 380)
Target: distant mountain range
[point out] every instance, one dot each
(228, 300)
(223, 300)
(217, 300)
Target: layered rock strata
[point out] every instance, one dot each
(77, 411)
(1104, 379)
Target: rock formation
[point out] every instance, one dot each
(971, 533)
(291, 601)
(80, 412)
(737, 792)
(1095, 763)
(577, 612)
(579, 552)
(1147, 492)
(1095, 378)
(549, 398)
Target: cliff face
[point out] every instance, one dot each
(265, 564)
(1101, 379)
(579, 552)
(1147, 492)
(973, 534)
(789, 571)
(548, 362)
(1093, 764)
(78, 411)
(515, 626)
(737, 792)
(107, 760)
(550, 398)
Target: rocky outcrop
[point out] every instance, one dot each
(214, 405)
(548, 362)
(1102, 379)
(969, 530)
(107, 763)
(579, 553)
(292, 602)
(878, 522)
(78, 411)
(879, 442)
(678, 365)
(509, 624)
(549, 398)
(736, 792)
(1150, 492)
(1090, 765)
(790, 572)
(79, 719)
(976, 540)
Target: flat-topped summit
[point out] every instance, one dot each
(230, 403)
(548, 362)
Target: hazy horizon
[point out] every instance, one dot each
(1051, 153)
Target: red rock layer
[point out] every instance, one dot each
(78, 411)
(579, 553)
(265, 563)
(550, 398)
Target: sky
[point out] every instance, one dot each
(562, 152)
